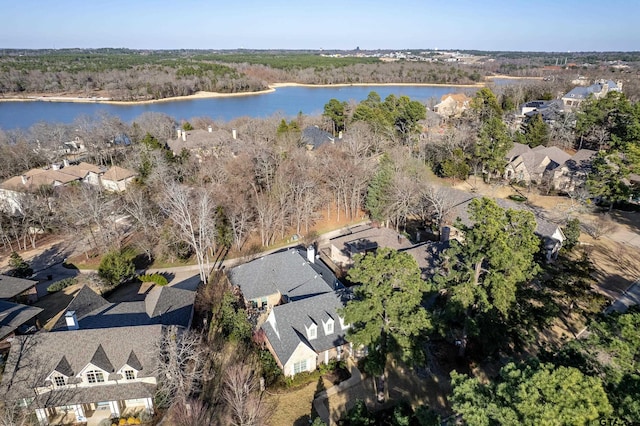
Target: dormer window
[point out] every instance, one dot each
(312, 332)
(59, 381)
(95, 376)
(328, 326)
(129, 374)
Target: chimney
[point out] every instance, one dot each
(72, 320)
(65, 162)
(234, 134)
(311, 254)
(179, 132)
(210, 129)
(184, 136)
(24, 179)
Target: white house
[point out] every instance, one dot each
(117, 179)
(73, 376)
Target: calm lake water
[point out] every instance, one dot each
(286, 101)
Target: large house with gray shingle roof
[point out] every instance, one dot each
(72, 376)
(99, 359)
(285, 276)
(599, 89)
(304, 334)
(301, 296)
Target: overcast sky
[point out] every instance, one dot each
(538, 25)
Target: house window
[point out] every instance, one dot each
(58, 381)
(313, 332)
(328, 327)
(95, 377)
(129, 374)
(299, 367)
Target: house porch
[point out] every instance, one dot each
(92, 414)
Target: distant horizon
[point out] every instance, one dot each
(490, 25)
(279, 49)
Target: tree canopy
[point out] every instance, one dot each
(397, 116)
(386, 315)
(481, 274)
(532, 394)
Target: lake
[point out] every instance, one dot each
(286, 101)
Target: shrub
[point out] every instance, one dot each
(122, 421)
(20, 268)
(518, 198)
(117, 266)
(157, 279)
(132, 421)
(62, 284)
(145, 417)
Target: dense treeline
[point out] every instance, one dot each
(133, 75)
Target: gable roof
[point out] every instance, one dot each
(164, 300)
(533, 161)
(81, 169)
(285, 328)
(166, 305)
(84, 302)
(34, 357)
(13, 315)
(101, 360)
(64, 367)
(11, 287)
(518, 149)
(116, 173)
(287, 272)
(460, 99)
(134, 362)
(554, 153)
(316, 137)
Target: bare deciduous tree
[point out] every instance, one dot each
(193, 412)
(244, 400)
(192, 211)
(600, 226)
(181, 365)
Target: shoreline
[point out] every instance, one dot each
(272, 88)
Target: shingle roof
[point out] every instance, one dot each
(64, 367)
(116, 173)
(84, 302)
(291, 319)
(134, 362)
(11, 287)
(101, 360)
(162, 300)
(163, 305)
(518, 149)
(544, 227)
(288, 272)
(13, 315)
(555, 154)
(365, 237)
(34, 357)
(316, 137)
